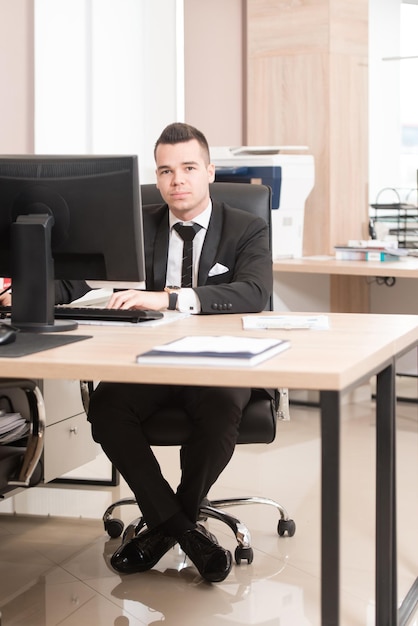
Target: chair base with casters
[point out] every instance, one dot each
(208, 509)
(258, 425)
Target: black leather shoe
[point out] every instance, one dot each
(213, 562)
(142, 552)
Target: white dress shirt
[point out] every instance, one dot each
(188, 302)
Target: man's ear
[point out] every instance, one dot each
(211, 172)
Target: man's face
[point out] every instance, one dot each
(183, 178)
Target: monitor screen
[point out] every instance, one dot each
(67, 217)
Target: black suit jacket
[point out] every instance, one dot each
(68, 290)
(236, 240)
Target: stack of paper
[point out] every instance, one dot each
(12, 427)
(285, 322)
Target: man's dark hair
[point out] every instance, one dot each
(180, 133)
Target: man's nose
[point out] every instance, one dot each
(177, 177)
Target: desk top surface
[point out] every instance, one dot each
(354, 346)
(405, 268)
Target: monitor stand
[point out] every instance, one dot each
(33, 288)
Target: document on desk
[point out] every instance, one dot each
(285, 322)
(215, 350)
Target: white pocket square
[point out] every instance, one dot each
(217, 269)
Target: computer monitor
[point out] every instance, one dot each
(67, 217)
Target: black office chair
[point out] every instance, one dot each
(20, 461)
(258, 424)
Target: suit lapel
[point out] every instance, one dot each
(161, 255)
(211, 243)
(155, 219)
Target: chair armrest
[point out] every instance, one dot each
(86, 389)
(282, 404)
(35, 444)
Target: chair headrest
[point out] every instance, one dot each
(255, 199)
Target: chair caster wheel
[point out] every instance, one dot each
(243, 553)
(114, 527)
(286, 525)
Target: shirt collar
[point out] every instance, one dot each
(202, 219)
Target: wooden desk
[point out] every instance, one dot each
(332, 361)
(329, 265)
(348, 290)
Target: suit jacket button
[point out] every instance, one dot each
(214, 306)
(229, 306)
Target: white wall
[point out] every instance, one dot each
(214, 69)
(384, 105)
(16, 77)
(108, 76)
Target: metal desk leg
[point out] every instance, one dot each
(386, 555)
(330, 513)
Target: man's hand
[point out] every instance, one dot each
(133, 299)
(6, 299)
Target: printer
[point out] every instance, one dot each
(289, 171)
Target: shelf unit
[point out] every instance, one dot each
(397, 219)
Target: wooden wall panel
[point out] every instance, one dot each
(349, 294)
(307, 84)
(285, 106)
(286, 27)
(348, 150)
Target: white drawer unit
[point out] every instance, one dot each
(68, 441)
(68, 444)
(62, 399)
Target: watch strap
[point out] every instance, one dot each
(172, 300)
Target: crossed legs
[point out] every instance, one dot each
(118, 413)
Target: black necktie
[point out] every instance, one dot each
(187, 233)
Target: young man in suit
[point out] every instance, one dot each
(231, 273)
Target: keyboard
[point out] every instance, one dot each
(98, 314)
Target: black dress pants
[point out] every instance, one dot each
(117, 414)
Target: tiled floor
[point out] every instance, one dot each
(56, 570)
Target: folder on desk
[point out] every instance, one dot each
(215, 350)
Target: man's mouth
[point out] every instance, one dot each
(179, 195)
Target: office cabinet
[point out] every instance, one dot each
(68, 440)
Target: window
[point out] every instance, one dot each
(408, 92)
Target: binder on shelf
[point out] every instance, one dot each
(371, 252)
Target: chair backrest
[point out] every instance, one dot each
(255, 199)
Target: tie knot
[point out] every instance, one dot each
(187, 233)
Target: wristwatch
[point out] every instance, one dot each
(172, 297)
